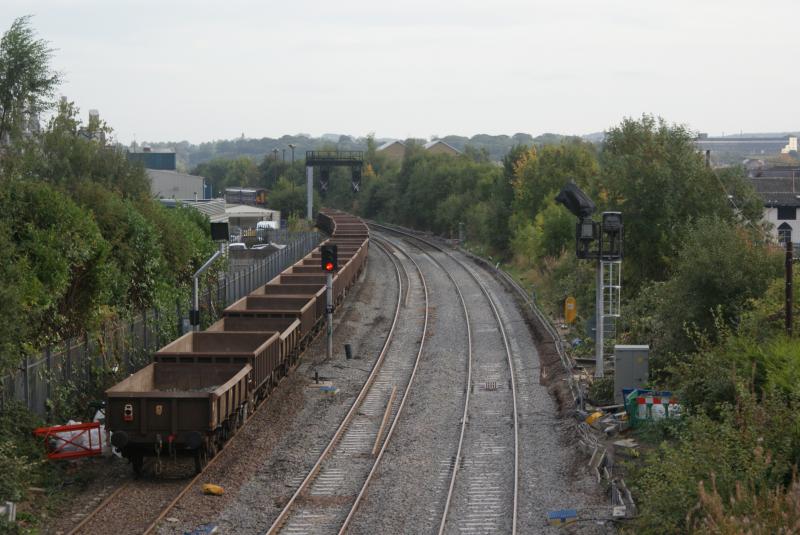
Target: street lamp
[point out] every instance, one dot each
(292, 146)
(275, 154)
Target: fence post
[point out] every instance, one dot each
(26, 387)
(87, 365)
(208, 300)
(48, 360)
(129, 346)
(68, 367)
(157, 323)
(180, 319)
(144, 330)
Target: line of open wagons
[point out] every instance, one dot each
(200, 388)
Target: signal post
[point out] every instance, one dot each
(330, 263)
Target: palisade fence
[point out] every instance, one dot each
(126, 348)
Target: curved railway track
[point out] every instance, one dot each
(323, 502)
(480, 504)
(480, 497)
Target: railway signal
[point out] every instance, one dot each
(601, 242)
(330, 262)
(324, 179)
(324, 160)
(330, 258)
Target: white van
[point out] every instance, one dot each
(271, 225)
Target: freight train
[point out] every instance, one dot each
(200, 388)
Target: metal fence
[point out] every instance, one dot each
(61, 368)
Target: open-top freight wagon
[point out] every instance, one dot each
(200, 387)
(168, 409)
(261, 350)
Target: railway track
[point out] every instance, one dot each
(478, 496)
(130, 508)
(327, 499)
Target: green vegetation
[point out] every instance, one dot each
(702, 287)
(82, 246)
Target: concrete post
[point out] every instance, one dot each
(310, 192)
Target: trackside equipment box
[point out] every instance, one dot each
(630, 368)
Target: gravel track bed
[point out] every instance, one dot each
(284, 438)
(137, 505)
(484, 490)
(342, 474)
(407, 495)
(105, 475)
(552, 476)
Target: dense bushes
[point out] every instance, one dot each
(750, 446)
(81, 241)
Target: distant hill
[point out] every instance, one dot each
(190, 155)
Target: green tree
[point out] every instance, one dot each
(717, 273)
(288, 197)
(68, 153)
(554, 230)
(540, 174)
(652, 173)
(27, 82)
(185, 238)
(229, 173)
(59, 256)
(135, 260)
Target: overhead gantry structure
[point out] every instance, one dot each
(325, 159)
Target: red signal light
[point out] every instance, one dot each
(329, 266)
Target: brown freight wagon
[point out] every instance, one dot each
(169, 409)
(302, 308)
(317, 279)
(345, 253)
(261, 350)
(288, 330)
(289, 290)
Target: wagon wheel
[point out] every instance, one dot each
(242, 415)
(225, 432)
(137, 462)
(200, 459)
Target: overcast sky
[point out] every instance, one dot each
(200, 70)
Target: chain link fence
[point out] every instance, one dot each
(125, 348)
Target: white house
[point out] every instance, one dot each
(779, 188)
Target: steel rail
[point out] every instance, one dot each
(97, 509)
(465, 413)
(508, 359)
(540, 316)
(171, 504)
(103, 504)
(306, 483)
(396, 419)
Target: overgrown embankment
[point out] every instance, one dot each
(702, 286)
